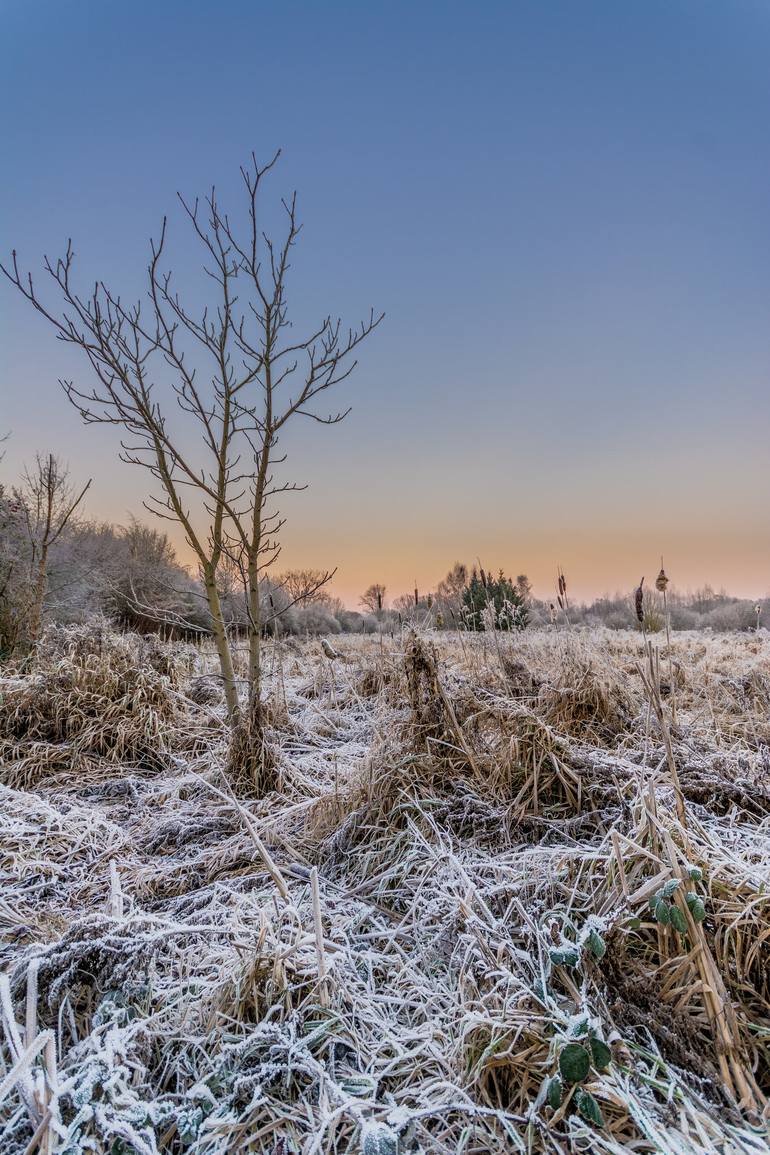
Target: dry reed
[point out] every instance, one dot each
(480, 914)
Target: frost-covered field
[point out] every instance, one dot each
(502, 901)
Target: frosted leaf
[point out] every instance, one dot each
(378, 1139)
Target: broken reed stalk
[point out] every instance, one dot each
(661, 584)
(736, 1073)
(653, 831)
(22, 1059)
(19, 1072)
(639, 611)
(37, 1087)
(30, 1023)
(323, 990)
(651, 681)
(116, 893)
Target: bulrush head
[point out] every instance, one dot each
(639, 602)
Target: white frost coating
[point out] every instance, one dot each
(194, 1020)
(378, 1139)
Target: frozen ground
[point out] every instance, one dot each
(524, 936)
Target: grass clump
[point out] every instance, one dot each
(92, 694)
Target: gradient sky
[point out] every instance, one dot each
(563, 208)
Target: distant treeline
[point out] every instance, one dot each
(454, 605)
(56, 565)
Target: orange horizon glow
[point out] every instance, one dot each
(594, 567)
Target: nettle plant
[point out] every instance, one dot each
(667, 913)
(570, 950)
(580, 1049)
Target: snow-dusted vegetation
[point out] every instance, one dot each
(509, 893)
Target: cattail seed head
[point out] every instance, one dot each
(639, 602)
(661, 581)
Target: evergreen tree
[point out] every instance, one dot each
(493, 603)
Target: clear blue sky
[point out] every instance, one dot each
(563, 208)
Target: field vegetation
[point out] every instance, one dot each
(495, 900)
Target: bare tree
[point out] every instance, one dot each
(48, 501)
(148, 590)
(450, 590)
(455, 581)
(14, 584)
(373, 598)
(406, 607)
(238, 372)
(306, 586)
(524, 587)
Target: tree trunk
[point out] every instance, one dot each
(251, 766)
(36, 609)
(255, 649)
(223, 649)
(252, 769)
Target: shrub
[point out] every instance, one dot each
(493, 603)
(684, 618)
(731, 616)
(316, 619)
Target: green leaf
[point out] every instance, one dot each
(588, 1107)
(579, 1027)
(359, 1085)
(678, 921)
(696, 906)
(662, 912)
(567, 956)
(574, 1062)
(600, 1054)
(553, 1093)
(634, 923)
(695, 873)
(596, 944)
(670, 886)
(188, 1125)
